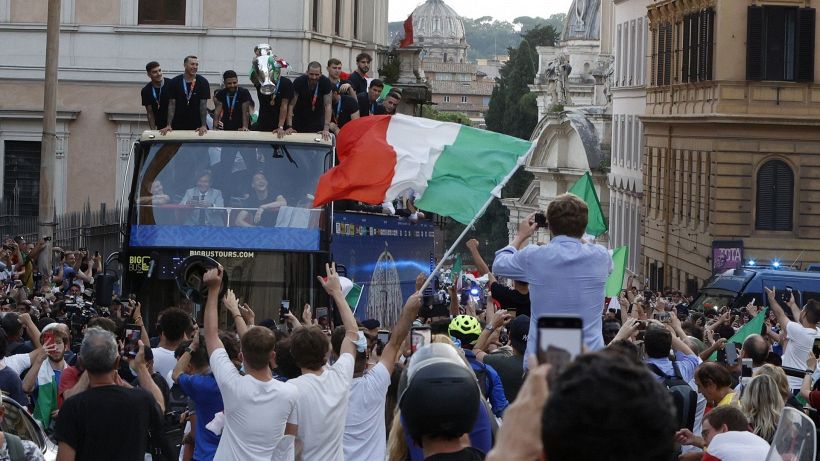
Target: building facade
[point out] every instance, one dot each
(630, 30)
(104, 46)
(731, 137)
(456, 84)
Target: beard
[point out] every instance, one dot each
(58, 360)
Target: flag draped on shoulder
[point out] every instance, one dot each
(453, 169)
(585, 189)
(46, 394)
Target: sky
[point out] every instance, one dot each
(501, 10)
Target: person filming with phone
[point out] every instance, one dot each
(566, 276)
(800, 332)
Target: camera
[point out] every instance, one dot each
(541, 220)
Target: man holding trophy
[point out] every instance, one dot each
(273, 100)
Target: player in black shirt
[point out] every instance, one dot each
(155, 97)
(273, 108)
(345, 109)
(232, 105)
(369, 100)
(512, 299)
(310, 110)
(187, 108)
(358, 79)
(388, 107)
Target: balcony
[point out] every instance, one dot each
(773, 99)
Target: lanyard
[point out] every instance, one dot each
(231, 104)
(185, 87)
(157, 94)
(315, 96)
(338, 109)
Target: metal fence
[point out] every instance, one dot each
(96, 230)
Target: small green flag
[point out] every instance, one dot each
(456, 272)
(385, 92)
(353, 297)
(585, 188)
(615, 282)
(752, 327)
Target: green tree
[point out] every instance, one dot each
(513, 111)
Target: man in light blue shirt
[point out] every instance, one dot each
(566, 276)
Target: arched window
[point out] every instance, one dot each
(775, 196)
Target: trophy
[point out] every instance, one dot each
(267, 68)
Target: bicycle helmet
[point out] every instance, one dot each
(440, 395)
(465, 328)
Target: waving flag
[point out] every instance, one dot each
(454, 169)
(615, 282)
(585, 188)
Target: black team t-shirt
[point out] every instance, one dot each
(232, 107)
(309, 111)
(365, 106)
(358, 82)
(157, 99)
(187, 97)
(110, 422)
(343, 109)
(269, 114)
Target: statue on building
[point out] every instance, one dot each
(563, 69)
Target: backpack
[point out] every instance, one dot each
(15, 447)
(683, 396)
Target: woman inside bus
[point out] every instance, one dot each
(261, 198)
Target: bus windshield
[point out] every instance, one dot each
(254, 196)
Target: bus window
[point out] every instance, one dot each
(260, 194)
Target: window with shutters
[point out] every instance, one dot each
(161, 12)
(780, 43)
(663, 54)
(775, 196)
(697, 45)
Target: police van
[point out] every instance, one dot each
(737, 287)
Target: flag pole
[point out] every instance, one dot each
(496, 192)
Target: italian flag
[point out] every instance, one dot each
(454, 170)
(46, 394)
(615, 282)
(585, 189)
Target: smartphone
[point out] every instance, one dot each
(284, 309)
(559, 339)
(746, 368)
(382, 339)
(419, 337)
(130, 343)
(731, 354)
(47, 338)
(663, 317)
(322, 314)
(816, 348)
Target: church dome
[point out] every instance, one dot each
(434, 21)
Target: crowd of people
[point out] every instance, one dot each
(657, 380)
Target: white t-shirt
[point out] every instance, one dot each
(256, 412)
(164, 363)
(801, 340)
(323, 408)
(17, 362)
(365, 434)
(738, 446)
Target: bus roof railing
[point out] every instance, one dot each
(238, 136)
